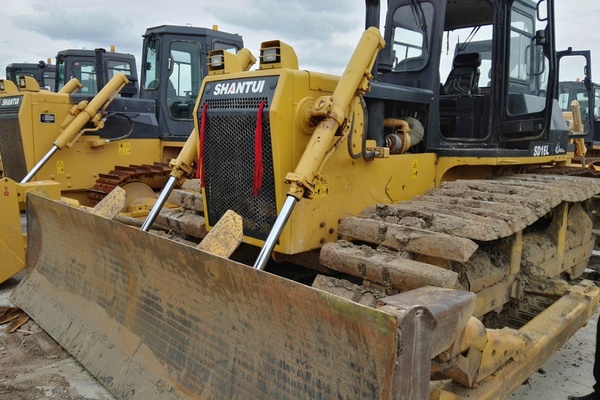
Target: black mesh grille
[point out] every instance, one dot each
(229, 141)
(11, 144)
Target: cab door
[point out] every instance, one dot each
(575, 84)
(529, 71)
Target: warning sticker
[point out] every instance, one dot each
(124, 149)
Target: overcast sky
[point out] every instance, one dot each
(323, 32)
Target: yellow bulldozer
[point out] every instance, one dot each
(403, 237)
(98, 132)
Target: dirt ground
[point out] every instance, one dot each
(34, 366)
(567, 373)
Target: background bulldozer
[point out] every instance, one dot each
(43, 72)
(93, 68)
(587, 95)
(403, 237)
(107, 138)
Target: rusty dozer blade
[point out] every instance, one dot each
(152, 318)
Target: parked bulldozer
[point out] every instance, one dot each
(94, 68)
(87, 141)
(576, 90)
(403, 237)
(43, 72)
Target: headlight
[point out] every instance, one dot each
(216, 61)
(277, 54)
(270, 55)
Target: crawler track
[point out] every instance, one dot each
(509, 239)
(155, 176)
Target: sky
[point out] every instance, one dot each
(323, 32)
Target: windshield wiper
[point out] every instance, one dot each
(420, 21)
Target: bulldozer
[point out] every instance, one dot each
(94, 68)
(394, 236)
(98, 131)
(586, 94)
(43, 72)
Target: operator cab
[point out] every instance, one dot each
(93, 68)
(174, 60)
(42, 72)
(478, 74)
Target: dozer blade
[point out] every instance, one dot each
(111, 204)
(12, 239)
(156, 319)
(12, 242)
(225, 236)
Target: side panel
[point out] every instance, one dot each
(151, 318)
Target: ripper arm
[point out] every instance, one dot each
(333, 111)
(72, 127)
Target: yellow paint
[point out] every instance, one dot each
(543, 334)
(82, 162)
(225, 237)
(345, 185)
(12, 241)
(452, 168)
(12, 237)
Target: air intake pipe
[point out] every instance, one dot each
(408, 132)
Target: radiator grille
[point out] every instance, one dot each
(11, 144)
(229, 141)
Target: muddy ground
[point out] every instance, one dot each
(34, 366)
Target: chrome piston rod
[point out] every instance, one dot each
(40, 164)
(280, 222)
(162, 199)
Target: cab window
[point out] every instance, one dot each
(412, 36)
(185, 77)
(151, 71)
(528, 67)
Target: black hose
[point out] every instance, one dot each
(367, 155)
(129, 132)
